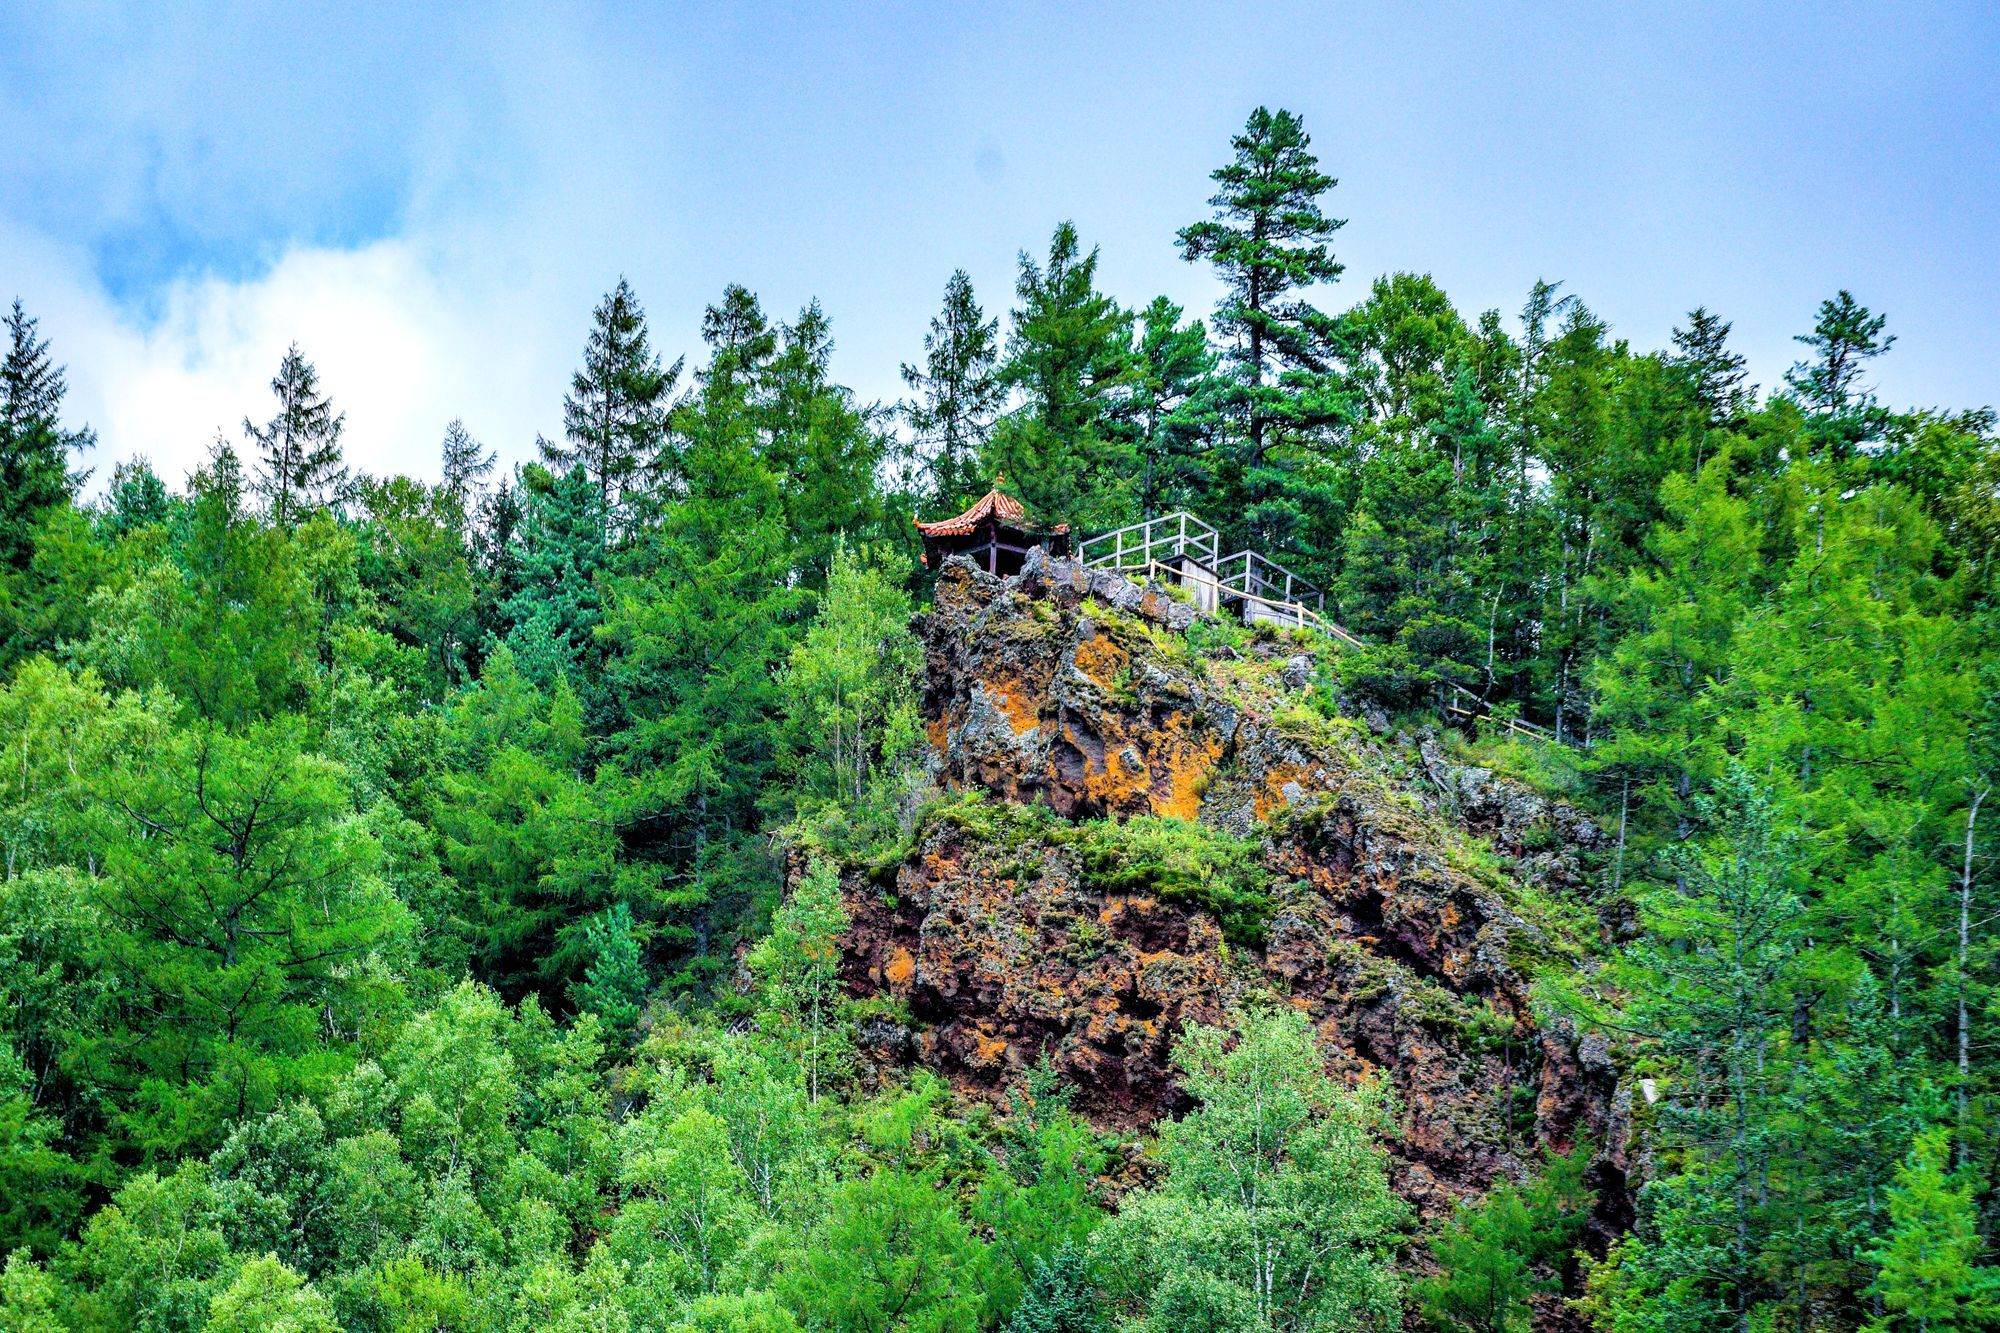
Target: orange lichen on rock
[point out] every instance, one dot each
(1021, 710)
(902, 965)
(1184, 773)
(1101, 659)
(1283, 785)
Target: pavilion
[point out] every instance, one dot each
(997, 533)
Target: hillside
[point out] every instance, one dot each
(1158, 825)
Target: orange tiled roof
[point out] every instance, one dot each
(1004, 508)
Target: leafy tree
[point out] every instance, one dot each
(1275, 1210)
(526, 840)
(798, 968)
(850, 685)
(957, 395)
(299, 467)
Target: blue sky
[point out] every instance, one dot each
(429, 201)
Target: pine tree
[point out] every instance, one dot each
(1932, 1279)
(821, 447)
(1066, 446)
(957, 394)
(1268, 242)
(614, 415)
(34, 447)
(615, 983)
(1176, 411)
(1713, 371)
(299, 468)
(1846, 337)
(1061, 1298)
(466, 465)
(741, 339)
(554, 612)
(695, 624)
(137, 498)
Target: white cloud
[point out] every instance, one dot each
(401, 350)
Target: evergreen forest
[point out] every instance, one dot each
(422, 896)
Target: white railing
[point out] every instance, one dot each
(1248, 574)
(1159, 540)
(1181, 549)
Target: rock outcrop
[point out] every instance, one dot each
(1407, 902)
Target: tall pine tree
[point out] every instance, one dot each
(957, 394)
(34, 446)
(299, 467)
(1067, 446)
(614, 416)
(1268, 242)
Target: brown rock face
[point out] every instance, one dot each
(1409, 899)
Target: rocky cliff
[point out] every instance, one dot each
(1160, 818)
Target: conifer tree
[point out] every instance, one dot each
(1713, 370)
(1932, 1277)
(1175, 409)
(957, 394)
(1066, 446)
(554, 611)
(1268, 242)
(466, 465)
(34, 446)
(694, 627)
(298, 468)
(821, 447)
(137, 497)
(614, 416)
(738, 334)
(1845, 338)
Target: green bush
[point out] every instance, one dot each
(1179, 862)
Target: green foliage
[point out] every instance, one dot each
(798, 970)
(1274, 1211)
(1932, 1275)
(1066, 449)
(1181, 862)
(850, 684)
(958, 393)
(1494, 1255)
(34, 446)
(615, 982)
(380, 861)
(298, 463)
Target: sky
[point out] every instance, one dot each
(429, 199)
